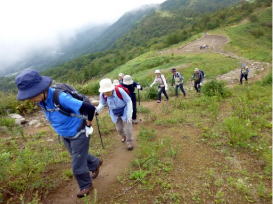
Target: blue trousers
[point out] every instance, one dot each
(82, 162)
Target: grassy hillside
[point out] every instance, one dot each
(253, 37)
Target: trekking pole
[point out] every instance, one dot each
(138, 97)
(99, 131)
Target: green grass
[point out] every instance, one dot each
(252, 40)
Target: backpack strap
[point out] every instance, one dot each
(57, 104)
(118, 92)
(60, 108)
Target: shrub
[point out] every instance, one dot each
(215, 88)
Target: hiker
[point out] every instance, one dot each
(177, 80)
(73, 130)
(116, 82)
(120, 77)
(197, 78)
(244, 73)
(131, 85)
(120, 109)
(162, 85)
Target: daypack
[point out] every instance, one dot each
(71, 91)
(202, 74)
(118, 92)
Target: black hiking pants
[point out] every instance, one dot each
(134, 101)
(243, 76)
(197, 85)
(181, 88)
(160, 91)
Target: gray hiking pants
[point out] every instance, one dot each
(82, 162)
(125, 129)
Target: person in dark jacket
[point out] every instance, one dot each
(177, 80)
(244, 73)
(131, 85)
(74, 130)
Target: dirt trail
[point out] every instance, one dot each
(216, 44)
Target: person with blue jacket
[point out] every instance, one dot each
(120, 109)
(36, 88)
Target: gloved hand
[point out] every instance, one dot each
(138, 87)
(88, 131)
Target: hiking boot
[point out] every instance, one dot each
(84, 192)
(135, 121)
(130, 147)
(158, 101)
(123, 139)
(97, 171)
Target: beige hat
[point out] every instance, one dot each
(196, 69)
(106, 86)
(157, 71)
(115, 82)
(121, 75)
(127, 80)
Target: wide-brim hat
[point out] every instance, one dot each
(115, 82)
(127, 80)
(157, 71)
(30, 84)
(106, 86)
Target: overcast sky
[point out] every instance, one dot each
(26, 24)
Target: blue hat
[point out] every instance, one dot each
(30, 83)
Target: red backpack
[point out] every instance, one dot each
(118, 92)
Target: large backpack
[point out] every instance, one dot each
(118, 92)
(71, 91)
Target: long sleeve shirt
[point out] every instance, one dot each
(177, 79)
(114, 102)
(161, 81)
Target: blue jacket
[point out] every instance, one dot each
(65, 126)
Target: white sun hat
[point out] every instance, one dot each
(196, 69)
(115, 82)
(106, 85)
(157, 71)
(127, 80)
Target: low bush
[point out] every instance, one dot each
(215, 88)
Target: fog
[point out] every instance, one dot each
(29, 25)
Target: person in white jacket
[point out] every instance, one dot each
(162, 85)
(120, 109)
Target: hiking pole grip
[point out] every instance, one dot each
(99, 131)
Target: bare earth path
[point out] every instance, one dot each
(216, 44)
(119, 158)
